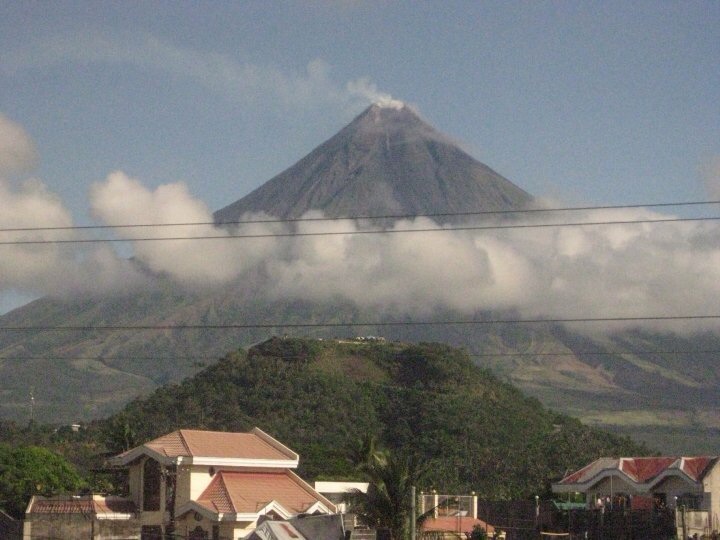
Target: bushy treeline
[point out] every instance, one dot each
(322, 397)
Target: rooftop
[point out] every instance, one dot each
(642, 470)
(240, 492)
(213, 446)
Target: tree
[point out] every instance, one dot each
(387, 502)
(120, 436)
(30, 470)
(367, 453)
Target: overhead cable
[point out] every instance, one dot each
(368, 217)
(459, 322)
(362, 232)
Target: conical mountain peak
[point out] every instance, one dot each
(386, 161)
(382, 118)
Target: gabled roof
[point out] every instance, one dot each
(304, 527)
(276, 530)
(255, 448)
(643, 471)
(254, 493)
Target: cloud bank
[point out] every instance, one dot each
(628, 270)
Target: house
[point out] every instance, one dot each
(455, 528)
(690, 485)
(451, 517)
(336, 491)
(197, 485)
(302, 527)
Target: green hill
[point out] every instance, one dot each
(322, 397)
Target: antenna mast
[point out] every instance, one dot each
(32, 404)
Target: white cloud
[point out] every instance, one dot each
(47, 268)
(711, 177)
(17, 150)
(121, 200)
(30, 212)
(628, 270)
(610, 271)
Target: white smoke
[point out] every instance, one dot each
(367, 91)
(223, 74)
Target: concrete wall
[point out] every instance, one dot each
(675, 486)
(711, 487)
(606, 487)
(135, 483)
(78, 527)
(199, 480)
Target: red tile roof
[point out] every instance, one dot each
(239, 492)
(695, 467)
(643, 470)
(218, 444)
(463, 524)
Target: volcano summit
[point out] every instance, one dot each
(387, 161)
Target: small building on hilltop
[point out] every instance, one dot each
(197, 485)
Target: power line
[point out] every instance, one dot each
(459, 322)
(367, 217)
(363, 232)
(471, 355)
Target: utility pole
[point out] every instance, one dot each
(684, 523)
(32, 404)
(413, 513)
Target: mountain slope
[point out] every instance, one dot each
(385, 162)
(323, 397)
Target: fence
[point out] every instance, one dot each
(525, 520)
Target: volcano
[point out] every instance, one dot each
(387, 161)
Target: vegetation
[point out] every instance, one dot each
(31, 470)
(321, 397)
(387, 502)
(337, 403)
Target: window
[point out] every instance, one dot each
(198, 533)
(151, 486)
(691, 501)
(151, 532)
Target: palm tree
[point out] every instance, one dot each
(387, 504)
(366, 453)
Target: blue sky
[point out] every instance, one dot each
(606, 102)
(586, 102)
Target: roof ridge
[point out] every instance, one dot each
(184, 441)
(228, 494)
(308, 488)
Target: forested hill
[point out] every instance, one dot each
(323, 397)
